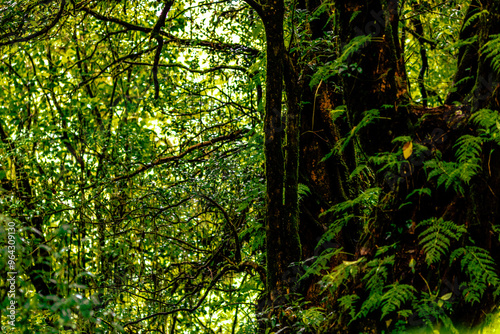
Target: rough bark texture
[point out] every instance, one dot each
(283, 242)
(376, 77)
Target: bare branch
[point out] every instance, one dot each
(41, 32)
(232, 136)
(127, 25)
(204, 71)
(155, 66)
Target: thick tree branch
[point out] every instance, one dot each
(125, 24)
(172, 39)
(40, 32)
(256, 6)
(232, 136)
(156, 35)
(420, 37)
(155, 66)
(255, 266)
(204, 71)
(161, 20)
(218, 46)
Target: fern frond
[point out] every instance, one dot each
(452, 174)
(377, 273)
(479, 266)
(368, 118)
(354, 46)
(366, 200)
(321, 263)
(447, 173)
(420, 192)
(474, 17)
(395, 297)
(334, 228)
(372, 303)
(492, 51)
(468, 155)
(368, 197)
(489, 123)
(436, 238)
(303, 191)
(390, 161)
(468, 148)
(429, 310)
(468, 164)
(341, 274)
(337, 66)
(375, 279)
(347, 304)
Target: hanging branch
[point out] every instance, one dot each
(156, 35)
(40, 32)
(160, 161)
(419, 31)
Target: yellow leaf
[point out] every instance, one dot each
(348, 263)
(446, 296)
(407, 149)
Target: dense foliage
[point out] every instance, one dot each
(249, 166)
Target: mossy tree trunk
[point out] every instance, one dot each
(298, 141)
(281, 151)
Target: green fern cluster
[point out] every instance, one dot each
(390, 299)
(492, 51)
(360, 208)
(375, 280)
(397, 302)
(378, 293)
(488, 122)
(395, 297)
(436, 238)
(457, 173)
(431, 309)
(341, 274)
(337, 66)
(479, 266)
(321, 263)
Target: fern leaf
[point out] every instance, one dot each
(375, 279)
(370, 304)
(321, 263)
(335, 228)
(395, 297)
(479, 266)
(377, 271)
(303, 191)
(492, 51)
(369, 117)
(429, 311)
(341, 274)
(468, 148)
(489, 123)
(436, 238)
(474, 17)
(347, 304)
